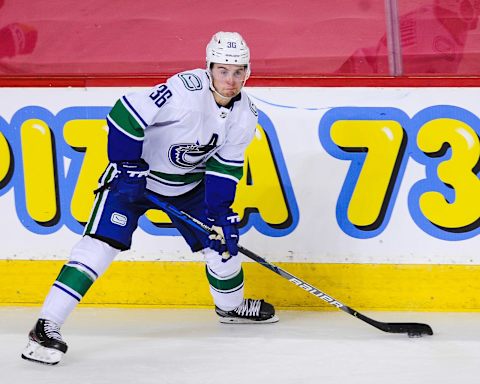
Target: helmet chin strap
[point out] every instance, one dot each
(212, 88)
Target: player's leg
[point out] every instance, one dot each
(88, 260)
(108, 231)
(226, 279)
(227, 288)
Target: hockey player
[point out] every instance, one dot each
(185, 141)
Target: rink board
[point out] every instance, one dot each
(368, 193)
(183, 284)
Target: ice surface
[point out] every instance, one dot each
(116, 346)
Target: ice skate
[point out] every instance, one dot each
(249, 312)
(45, 343)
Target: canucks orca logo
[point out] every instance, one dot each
(188, 155)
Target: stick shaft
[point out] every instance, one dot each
(386, 327)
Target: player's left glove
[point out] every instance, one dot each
(225, 241)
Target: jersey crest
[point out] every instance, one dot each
(189, 155)
(191, 81)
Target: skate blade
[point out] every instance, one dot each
(238, 320)
(35, 352)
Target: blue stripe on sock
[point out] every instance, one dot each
(83, 265)
(68, 292)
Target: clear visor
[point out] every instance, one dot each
(226, 72)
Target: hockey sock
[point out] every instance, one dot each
(89, 259)
(65, 294)
(225, 279)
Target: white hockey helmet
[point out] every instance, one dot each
(228, 48)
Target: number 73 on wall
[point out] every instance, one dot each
(378, 142)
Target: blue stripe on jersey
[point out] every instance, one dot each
(122, 147)
(134, 111)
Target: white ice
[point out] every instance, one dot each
(136, 346)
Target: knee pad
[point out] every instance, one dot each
(92, 256)
(219, 268)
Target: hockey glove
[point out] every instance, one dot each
(130, 180)
(225, 241)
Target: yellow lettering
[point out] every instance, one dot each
(39, 170)
(157, 216)
(260, 186)
(89, 136)
(5, 158)
(382, 139)
(456, 172)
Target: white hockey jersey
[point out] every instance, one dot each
(185, 133)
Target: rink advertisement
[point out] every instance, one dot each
(338, 182)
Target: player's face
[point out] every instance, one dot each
(228, 79)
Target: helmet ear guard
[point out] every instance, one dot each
(228, 48)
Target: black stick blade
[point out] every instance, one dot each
(413, 329)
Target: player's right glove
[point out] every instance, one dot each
(129, 179)
(225, 241)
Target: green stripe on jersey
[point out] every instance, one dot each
(181, 179)
(232, 170)
(93, 215)
(228, 284)
(77, 280)
(125, 121)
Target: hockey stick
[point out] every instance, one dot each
(412, 329)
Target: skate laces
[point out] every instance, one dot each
(249, 307)
(52, 330)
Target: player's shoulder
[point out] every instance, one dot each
(193, 81)
(246, 118)
(248, 107)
